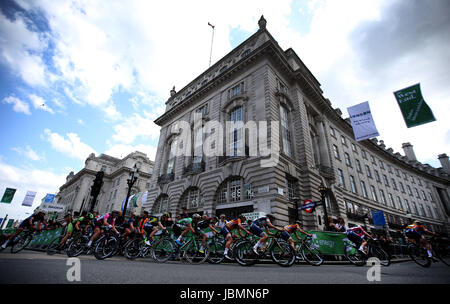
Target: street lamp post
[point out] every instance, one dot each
(295, 200)
(134, 174)
(323, 193)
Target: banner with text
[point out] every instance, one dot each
(8, 195)
(49, 198)
(362, 121)
(52, 207)
(29, 198)
(414, 109)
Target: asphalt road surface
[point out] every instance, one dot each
(38, 267)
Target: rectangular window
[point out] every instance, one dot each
(341, 178)
(236, 148)
(417, 193)
(285, 131)
(402, 187)
(352, 183)
(386, 181)
(381, 164)
(369, 174)
(391, 200)
(358, 165)
(399, 201)
(409, 190)
(364, 154)
(389, 169)
(235, 190)
(397, 172)
(291, 185)
(394, 184)
(353, 147)
(373, 160)
(377, 176)
(343, 141)
(336, 152)
(408, 209)
(383, 197)
(424, 195)
(237, 90)
(363, 189)
(171, 160)
(332, 132)
(347, 159)
(374, 193)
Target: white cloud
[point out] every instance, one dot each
(80, 121)
(39, 103)
(28, 152)
(136, 126)
(26, 179)
(72, 146)
(18, 105)
(122, 150)
(20, 49)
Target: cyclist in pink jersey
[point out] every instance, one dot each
(357, 235)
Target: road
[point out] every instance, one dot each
(38, 267)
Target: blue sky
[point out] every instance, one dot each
(80, 76)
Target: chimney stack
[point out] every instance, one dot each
(443, 158)
(409, 152)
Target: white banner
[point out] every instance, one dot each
(362, 121)
(52, 207)
(29, 198)
(254, 215)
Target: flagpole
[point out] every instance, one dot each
(212, 39)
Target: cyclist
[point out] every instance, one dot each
(161, 223)
(221, 222)
(256, 229)
(29, 222)
(227, 232)
(146, 226)
(82, 222)
(107, 220)
(287, 230)
(205, 222)
(128, 226)
(415, 231)
(358, 236)
(186, 225)
(69, 222)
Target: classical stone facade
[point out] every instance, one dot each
(75, 193)
(260, 82)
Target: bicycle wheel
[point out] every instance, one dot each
(77, 246)
(419, 255)
(381, 255)
(216, 251)
(193, 252)
(132, 249)
(162, 250)
(442, 253)
(312, 255)
(244, 254)
(54, 244)
(21, 243)
(105, 247)
(353, 255)
(282, 253)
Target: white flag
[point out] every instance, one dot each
(362, 121)
(29, 198)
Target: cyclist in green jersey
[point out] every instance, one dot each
(69, 222)
(186, 225)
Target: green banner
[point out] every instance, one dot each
(8, 195)
(414, 108)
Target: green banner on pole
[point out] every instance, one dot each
(414, 108)
(8, 195)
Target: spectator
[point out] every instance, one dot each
(184, 213)
(340, 225)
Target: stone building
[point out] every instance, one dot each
(260, 82)
(75, 193)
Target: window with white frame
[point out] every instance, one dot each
(285, 130)
(236, 132)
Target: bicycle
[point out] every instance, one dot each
(107, 245)
(216, 249)
(164, 248)
(54, 247)
(190, 249)
(358, 258)
(441, 250)
(78, 245)
(22, 240)
(308, 252)
(279, 250)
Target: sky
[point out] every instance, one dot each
(81, 77)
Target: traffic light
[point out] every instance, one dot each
(98, 182)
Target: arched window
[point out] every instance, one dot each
(161, 204)
(234, 190)
(191, 200)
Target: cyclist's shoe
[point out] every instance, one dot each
(434, 259)
(178, 243)
(201, 250)
(228, 257)
(147, 242)
(255, 250)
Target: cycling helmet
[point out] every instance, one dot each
(298, 222)
(195, 216)
(167, 214)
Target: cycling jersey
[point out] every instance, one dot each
(233, 224)
(166, 222)
(356, 230)
(420, 229)
(204, 224)
(26, 222)
(261, 222)
(128, 223)
(185, 221)
(291, 228)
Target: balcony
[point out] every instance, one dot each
(194, 168)
(166, 178)
(327, 172)
(226, 158)
(356, 216)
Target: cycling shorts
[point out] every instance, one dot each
(256, 230)
(355, 238)
(224, 231)
(412, 234)
(285, 235)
